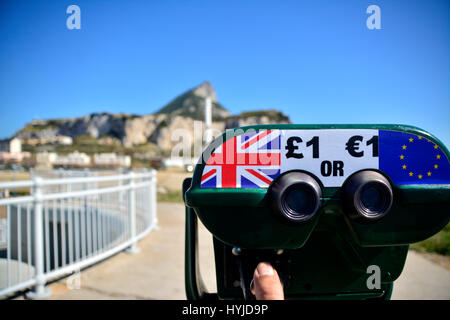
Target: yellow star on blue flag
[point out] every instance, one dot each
(409, 159)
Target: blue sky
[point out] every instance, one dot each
(314, 60)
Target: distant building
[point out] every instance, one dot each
(111, 160)
(74, 159)
(65, 140)
(173, 162)
(187, 163)
(8, 157)
(11, 151)
(46, 159)
(13, 145)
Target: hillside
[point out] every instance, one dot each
(192, 104)
(157, 129)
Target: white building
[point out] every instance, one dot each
(11, 151)
(112, 160)
(76, 158)
(45, 159)
(187, 163)
(13, 145)
(65, 140)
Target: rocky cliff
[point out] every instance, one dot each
(157, 128)
(192, 104)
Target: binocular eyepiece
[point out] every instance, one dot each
(297, 196)
(367, 196)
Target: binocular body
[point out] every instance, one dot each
(332, 207)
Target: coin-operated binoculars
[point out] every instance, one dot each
(332, 207)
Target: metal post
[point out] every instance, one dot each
(85, 187)
(208, 118)
(60, 175)
(132, 214)
(153, 199)
(121, 193)
(84, 218)
(40, 291)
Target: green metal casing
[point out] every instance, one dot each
(330, 253)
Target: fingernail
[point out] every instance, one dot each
(265, 269)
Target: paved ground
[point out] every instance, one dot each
(422, 279)
(157, 272)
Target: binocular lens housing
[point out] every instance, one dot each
(296, 196)
(367, 196)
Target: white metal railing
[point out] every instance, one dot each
(59, 229)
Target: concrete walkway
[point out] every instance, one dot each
(422, 279)
(157, 272)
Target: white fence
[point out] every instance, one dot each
(67, 224)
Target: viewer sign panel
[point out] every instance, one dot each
(332, 155)
(254, 159)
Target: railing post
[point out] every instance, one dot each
(132, 214)
(153, 200)
(86, 186)
(121, 193)
(60, 175)
(40, 291)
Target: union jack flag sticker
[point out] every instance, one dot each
(250, 160)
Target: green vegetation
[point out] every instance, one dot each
(162, 124)
(87, 146)
(37, 127)
(439, 243)
(127, 116)
(171, 196)
(42, 125)
(273, 115)
(85, 140)
(131, 116)
(115, 115)
(145, 147)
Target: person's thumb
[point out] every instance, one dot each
(266, 283)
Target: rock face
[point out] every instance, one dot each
(138, 130)
(176, 128)
(183, 116)
(192, 104)
(95, 125)
(256, 117)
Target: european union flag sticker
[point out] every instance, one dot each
(411, 159)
